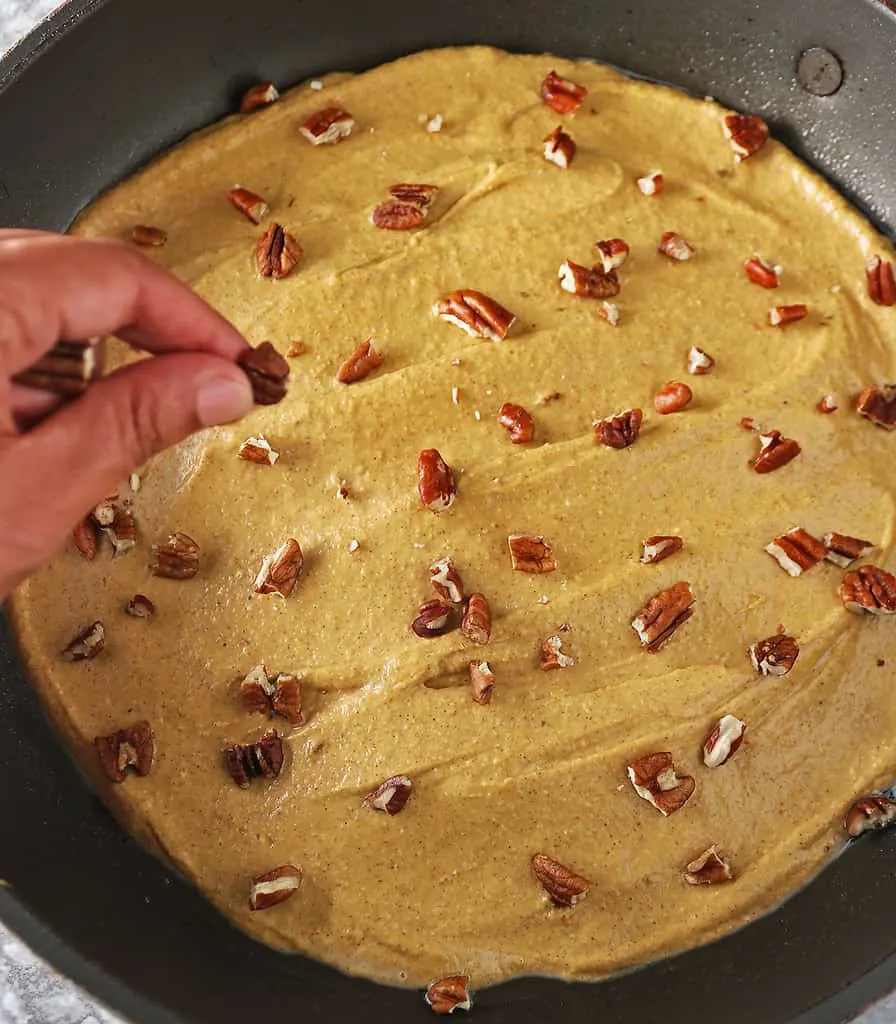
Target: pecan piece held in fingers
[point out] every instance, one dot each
(559, 148)
(477, 621)
(140, 607)
(879, 405)
(655, 780)
(844, 550)
(869, 590)
(775, 655)
(327, 126)
(675, 247)
(67, 370)
(148, 236)
(258, 449)
(87, 644)
(262, 759)
(250, 204)
(518, 422)
(530, 552)
(710, 868)
(662, 615)
(268, 373)
(563, 885)
(796, 551)
(476, 313)
(775, 451)
(274, 887)
(588, 282)
(433, 619)
(446, 580)
(482, 682)
(177, 558)
(278, 253)
(449, 994)
(674, 397)
(869, 813)
(881, 283)
(362, 362)
(436, 483)
(390, 796)
(553, 656)
(562, 95)
(725, 738)
(655, 549)
(747, 133)
(132, 747)
(619, 431)
(280, 570)
(262, 94)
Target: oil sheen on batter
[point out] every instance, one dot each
(447, 886)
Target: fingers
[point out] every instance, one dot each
(54, 287)
(81, 453)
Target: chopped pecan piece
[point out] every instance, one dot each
(449, 994)
(268, 373)
(552, 654)
(747, 133)
(760, 271)
(87, 644)
(148, 236)
(775, 655)
(530, 552)
(827, 404)
(274, 887)
(436, 483)
(778, 316)
(482, 682)
(260, 95)
(258, 449)
(433, 619)
(277, 695)
(67, 370)
(609, 311)
(655, 549)
(559, 148)
(723, 741)
(655, 780)
(675, 247)
(133, 747)
(613, 253)
(262, 759)
(296, 349)
(710, 868)
(879, 405)
(249, 204)
(278, 253)
(477, 314)
(140, 607)
(177, 558)
(796, 551)
(881, 283)
(662, 615)
(518, 422)
(844, 550)
(446, 580)
(561, 95)
(563, 885)
(86, 538)
(869, 813)
(390, 796)
(699, 362)
(406, 209)
(588, 282)
(651, 184)
(280, 570)
(477, 621)
(869, 589)
(619, 431)
(328, 125)
(775, 451)
(363, 361)
(674, 397)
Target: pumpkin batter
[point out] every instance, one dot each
(447, 886)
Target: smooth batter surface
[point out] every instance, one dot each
(446, 886)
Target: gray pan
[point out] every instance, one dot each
(104, 86)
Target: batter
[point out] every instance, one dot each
(447, 885)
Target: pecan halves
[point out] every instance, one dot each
(268, 373)
(280, 570)
(390, 796)
(482, 682)
(327, 126)
(407, 209)
(250, 204)
(710, 868)
(775, 655)
(87, 644)
(477, 314)
(722, 742)
(262, 759)
(177, 558)
(477, 621)
(796, 551)
(869, 590)
(844, 550)
(563, 886)
(446, 580)
(362, 362)
(775, 451)
(276, 695)
(132, 747)
(662, 615)
(530, 552)
(67, 370)
(619, 431)
(262, 94)
(433, 618)
(869, 813)
(879, 405)
(277, 253)
(518, 422)
(436, 483)
(274, 887)
(655, 780)
(588, 282)
(559, 148)
(449, 994)
(747, 133)
(655, 549)
(562, 95)
(881, 283)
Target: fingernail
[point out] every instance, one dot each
(222, 399)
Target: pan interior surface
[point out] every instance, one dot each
(76, 132)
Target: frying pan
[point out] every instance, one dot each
(102, 87)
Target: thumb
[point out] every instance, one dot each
(81, 453)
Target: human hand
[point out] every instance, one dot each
(57, 288)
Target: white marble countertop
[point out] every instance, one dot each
(30, 991)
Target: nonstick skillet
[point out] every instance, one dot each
(102, 87)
